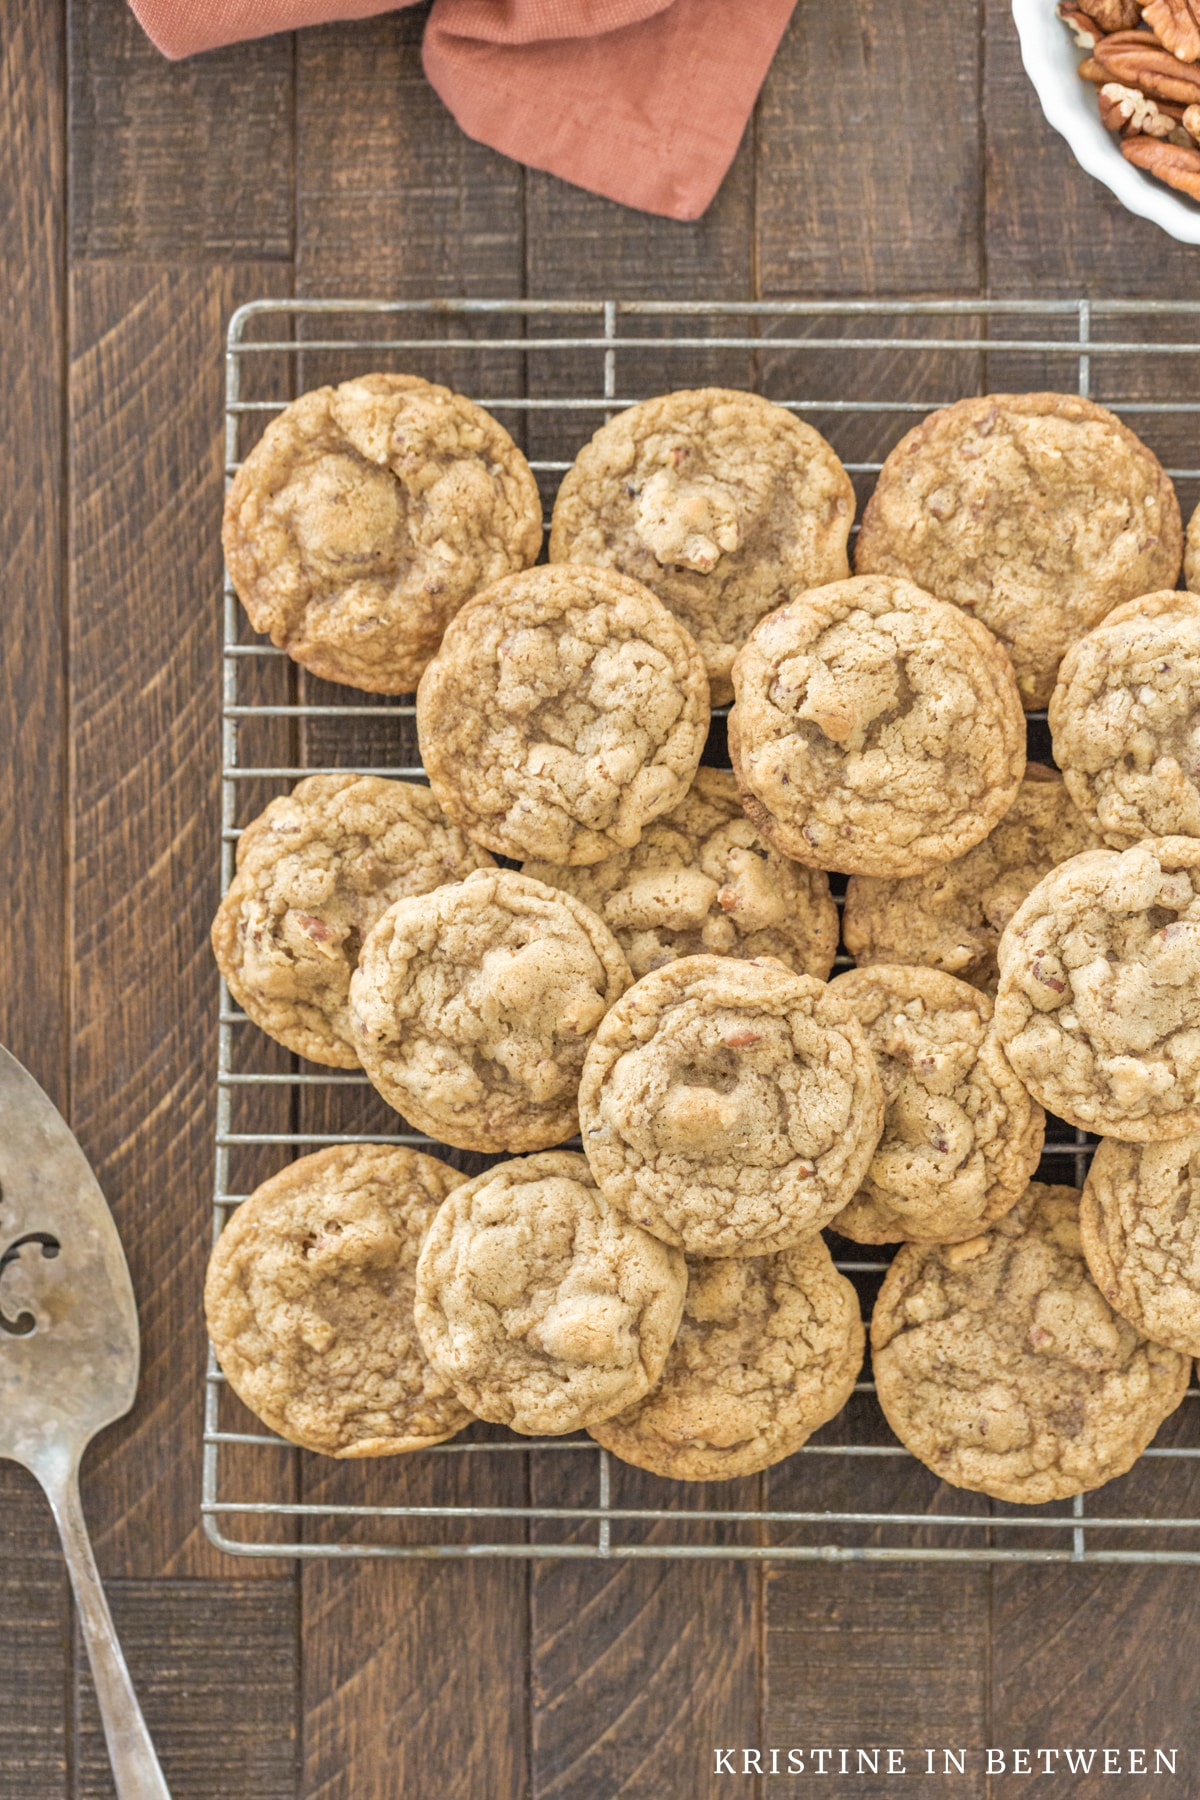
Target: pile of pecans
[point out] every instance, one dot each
(1144, 57)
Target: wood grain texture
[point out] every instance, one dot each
(146, 466)
(415, 1674)
(1090, 1656)
(216, 1667)
(34, 1021)
(179, 161)
(869, 162)
(414, 1681)
(877, 1657)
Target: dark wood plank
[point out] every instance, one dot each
(639, 1668)
(147, 476)
(216, 1667)
(415, 1674)
(873, 1657)
(392, 198)
(177, 160)
(1091, 1657)
(869, 157)
(35, 1619)
(414, 1681)
(1051, 229)
(635, 1666)
(34, 1019)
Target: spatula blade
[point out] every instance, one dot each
(68, 1322)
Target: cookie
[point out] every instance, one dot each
(565, 710)
(729, 1107)
(1038, 513)
(701, 879)
(1124, 719)
(1098, 1008)
(1000, 1364)
(545, 1307)
(769, 1349)
(309, 1301)
(719, 501)
(877, 730)
(951, 917)
(364, 517)
(1191, 554)
(474, 1005)
(1140, 1224)
(961, 1137)
(315, 871)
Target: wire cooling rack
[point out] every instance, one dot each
(861, 372)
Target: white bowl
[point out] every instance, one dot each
(1052, 57)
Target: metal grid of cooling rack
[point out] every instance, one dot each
(860, 371)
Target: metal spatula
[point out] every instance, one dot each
(68, 1367)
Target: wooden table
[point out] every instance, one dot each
(896, 150)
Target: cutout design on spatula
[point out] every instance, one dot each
(22, 1323)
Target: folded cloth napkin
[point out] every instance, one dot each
(643, 101)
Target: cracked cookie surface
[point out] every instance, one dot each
(701, 879)
(543, 1304)
(961, 1136)
(1000, 1364)
(1140, 1223)
(474, 1005)
(365, 516)
(315, 870)
(719, 501)
(876, 730)
(768, 1350)
(1125, 719)
(565, 710)
(729, 1107)
(309, 1300)
(951, 917)
(1035, 512)
(1098, 1008)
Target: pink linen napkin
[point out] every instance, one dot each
(643, 101)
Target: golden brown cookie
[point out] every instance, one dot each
(1191, 554)
(315, 870)
(365, 516)
(769, 1349)
(1140, 1224)
(1035, 512)
(565, 709)
(1000, 1364)
(877, 730)
(729, 1107)
(701, 879)
(951, 917)
(1125, 718)
(1098, 1008)
(474, 1005)
(309, 1300)
(961, 1137)
(543, 1303)
(719, 501)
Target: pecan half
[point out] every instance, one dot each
(1084, 30)
(1093, 71)
(1115, 15)
(1191, 121)
(1176, 23)
(1172, 163)
(1138, 60)
(1128, 110)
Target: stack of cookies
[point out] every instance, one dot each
(648, 965)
